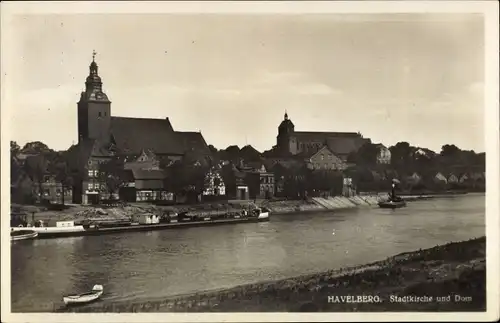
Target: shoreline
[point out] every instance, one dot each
(456, 268)
(277, 207)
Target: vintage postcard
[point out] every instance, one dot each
(250, 161)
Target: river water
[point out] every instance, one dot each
(155, 264)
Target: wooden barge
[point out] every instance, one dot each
(69, 229)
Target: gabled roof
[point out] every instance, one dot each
(191, 140)
(313, 154)
(341, 143)
(314, 134)
(131, 135)
(78, 155)
(148, 174)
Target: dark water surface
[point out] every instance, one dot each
(160, 263)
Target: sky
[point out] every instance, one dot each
(400, 77)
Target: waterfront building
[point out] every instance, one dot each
(324, 159)
(234, 182)
(452, 179)
(52, 191)
(215, 186)
(145, 185)
(146, 160)
(260, 182)
(383, 154)
(294, 142)
(440, 178)
(102, 135)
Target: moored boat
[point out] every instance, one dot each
(84, 298)
(62, 227)
(22, 235)
(394, 202)
(262, 214)
(390, 204)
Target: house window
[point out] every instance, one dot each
(322, 157)
(99, 114)
(58, 192)
(46, 192)
(104, 113)
(91, 186)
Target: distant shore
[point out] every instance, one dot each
(410, 281)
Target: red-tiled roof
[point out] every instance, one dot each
(131, 135)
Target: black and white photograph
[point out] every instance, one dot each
(250, 161)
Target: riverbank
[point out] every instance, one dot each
(457, 270)
(333, 203)
(136, 210)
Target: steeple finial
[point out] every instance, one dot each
(286, 115)
(93, 55)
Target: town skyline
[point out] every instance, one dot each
(237, 92)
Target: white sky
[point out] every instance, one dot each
(413, 77)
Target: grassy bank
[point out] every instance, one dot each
(447, 270)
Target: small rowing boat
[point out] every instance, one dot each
(84, 298)
(23, 235)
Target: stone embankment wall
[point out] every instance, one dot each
(324, 203)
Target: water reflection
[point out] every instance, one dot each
(171, 262)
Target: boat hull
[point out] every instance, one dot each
(392, 205)
(27, 236)
(262, 217)
(89, 231)
(81, 299)
(49, 230)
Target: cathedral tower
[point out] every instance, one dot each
(94, 108)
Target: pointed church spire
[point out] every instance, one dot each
(286, 115)
(93, 83)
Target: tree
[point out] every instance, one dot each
(14, 148)
(187, 179)
(213, 150)
(111, 174)
(248, 153)
(36, 147)
(401, 154)
(366, 155)
(231, 153)
(450, 151)
(60, 169)
(36, 168)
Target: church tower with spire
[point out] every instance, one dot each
(94, 108)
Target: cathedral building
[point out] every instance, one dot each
(102, 135)
(307, 143)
